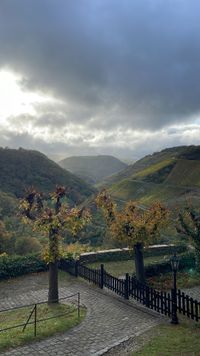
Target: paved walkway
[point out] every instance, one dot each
(109, 321)
(193, 292)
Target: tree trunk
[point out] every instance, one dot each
(53, 283)
(139, 262)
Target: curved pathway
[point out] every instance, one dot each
(109, 321)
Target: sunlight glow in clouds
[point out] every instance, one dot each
(105, 77)
(13, 100)
(33, 119)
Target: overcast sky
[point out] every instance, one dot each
(99, 76)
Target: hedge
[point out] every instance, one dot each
(13, 266)
(187, 261)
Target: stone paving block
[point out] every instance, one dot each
(109, 320)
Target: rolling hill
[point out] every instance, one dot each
(185, 173)
(92, 168)
(171, 176)
(20, 169)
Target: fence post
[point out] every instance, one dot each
(102, 276)
(78, 305)
(76, 268)
(126, 284)
(147, 297)
(35, 320)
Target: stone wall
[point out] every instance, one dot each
(126, 254)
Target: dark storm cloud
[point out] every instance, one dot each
(114, 63)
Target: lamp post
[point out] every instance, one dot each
(174, 264)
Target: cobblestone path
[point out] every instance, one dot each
(193, 292)
(109, 321)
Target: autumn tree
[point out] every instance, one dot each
(189, 225)
(133, 226)
(51, 217)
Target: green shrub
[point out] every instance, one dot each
(187, 260)
(13, 266)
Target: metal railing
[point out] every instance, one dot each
(130, 287)
(31, 311)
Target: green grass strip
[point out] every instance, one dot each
(61, 317)
(182, 339)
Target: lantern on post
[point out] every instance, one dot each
(174, 265)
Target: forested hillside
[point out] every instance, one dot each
(93, 168)
(20, 169)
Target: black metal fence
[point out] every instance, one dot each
(188, 306)
(29, 314)
(162, 302)
(115, 284)
(129, 287)
(151, 298)
(92, 275)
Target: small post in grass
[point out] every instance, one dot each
(78, 305)
(35, 321)
(174, 265)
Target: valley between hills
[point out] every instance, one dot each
(171, 176)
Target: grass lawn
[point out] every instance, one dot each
(119, 268)
(16, 337)
(182, 339)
